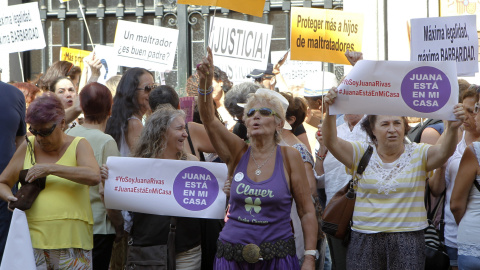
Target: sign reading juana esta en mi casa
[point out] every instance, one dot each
(166, 187)
(419, 89)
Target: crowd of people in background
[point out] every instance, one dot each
(64, 126)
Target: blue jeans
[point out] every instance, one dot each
(453, 255)
(468, 262)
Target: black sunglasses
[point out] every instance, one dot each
(149, 88)
(42, 133)
(263, 112)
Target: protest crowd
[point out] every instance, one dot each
(306, 187)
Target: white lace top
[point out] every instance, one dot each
(390, 196)
(468, 238)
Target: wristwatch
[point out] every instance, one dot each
(312, 252)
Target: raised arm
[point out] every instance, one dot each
(226, 144)
(86, 172)
(340, 149)
(200, 137)
(438, 154)
(463, 183)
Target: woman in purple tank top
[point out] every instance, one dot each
(264, 178)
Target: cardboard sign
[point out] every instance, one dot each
(295, 72)
(21, 28)
(143, 45)
(187, 104)
(166, 187)
(239, 47)
(446, 39)
(418, 89)
(324, 35)
(251, 7)
(107, 57)
(74, 56)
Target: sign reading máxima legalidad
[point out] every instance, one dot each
(166, 187)
(418, 89)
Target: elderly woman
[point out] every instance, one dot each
(60, 219)
(465, 204)
(266, 176)
(389, 215)
(96, 103)
(163, 138)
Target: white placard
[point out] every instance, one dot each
(239, 46)
(107, 56)
(295, 72)
(143, 45)
(446, 39)
(419, 89)
(166, 187)
(21, 28)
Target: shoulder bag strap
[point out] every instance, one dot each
(475, 182)
(190, 140)
(364, 160)
(171, 263)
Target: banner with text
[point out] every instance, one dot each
(74, 56)
(143, 45)
(239, 47)
(418, 89)
(166, 187)
(21, 28)
(324, 35)
(446, 39)
(251, 7)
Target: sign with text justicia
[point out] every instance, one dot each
(419, 89)
(166, 187)
(239, 47)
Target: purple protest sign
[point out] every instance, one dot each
(195, 188)
(426, 89)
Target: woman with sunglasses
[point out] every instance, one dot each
(264, 178)
(60, 219)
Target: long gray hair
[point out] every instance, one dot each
(153, 139)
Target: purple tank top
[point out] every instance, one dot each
(259, 211)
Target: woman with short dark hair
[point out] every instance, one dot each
(60, 219)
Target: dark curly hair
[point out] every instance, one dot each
(297, 107)
(368, 125)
